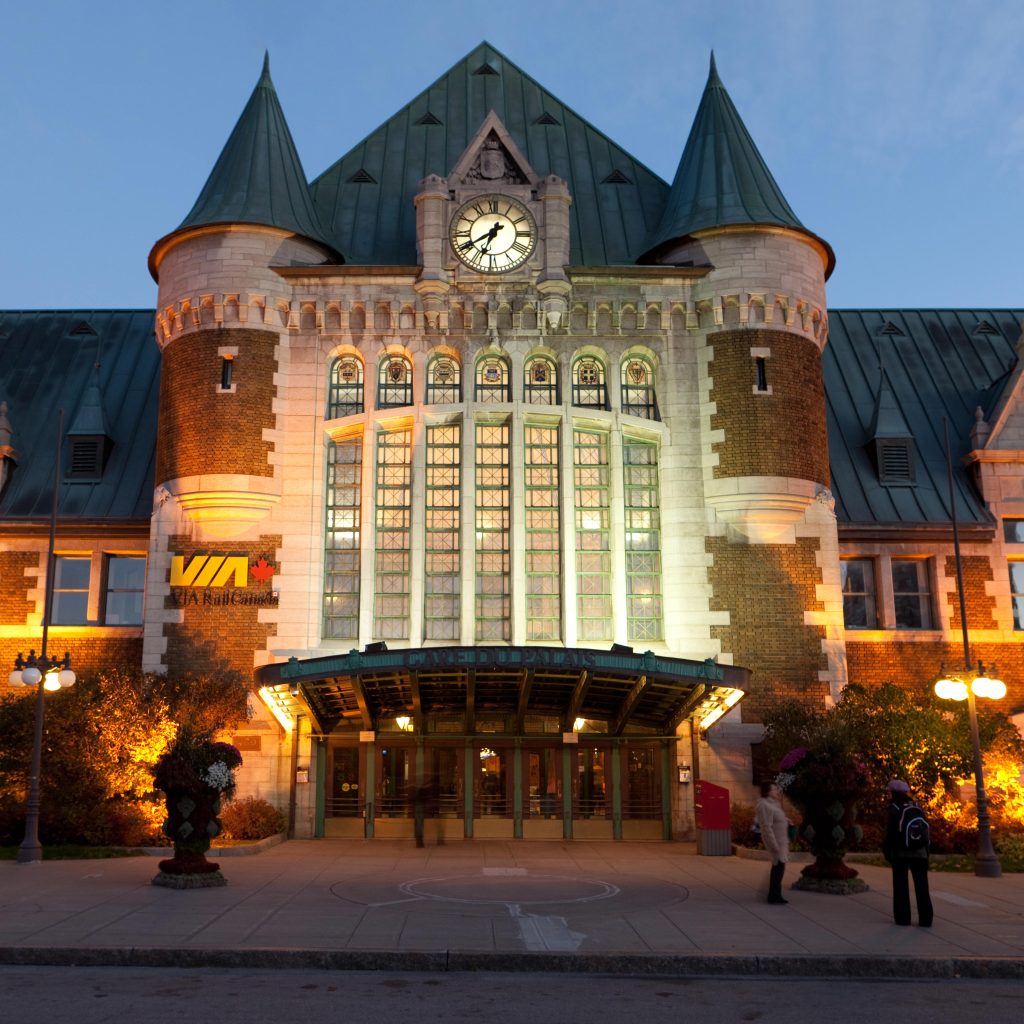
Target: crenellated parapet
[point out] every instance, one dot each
(588, 313)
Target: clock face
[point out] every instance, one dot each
(493, 234)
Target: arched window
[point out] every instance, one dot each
(444, 381)
(540, 382)
(346, 394)
(394, 382)
(588, 384)
(638, 398)
(492, 380)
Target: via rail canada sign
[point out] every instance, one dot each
(212, 579)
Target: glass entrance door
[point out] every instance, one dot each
(642, 811)
(591, 794)
(445, 782)
(492, 793)
(343, 801)
(542, 807)
(396, 777)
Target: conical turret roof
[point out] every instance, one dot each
(722, 179)
(258, 177)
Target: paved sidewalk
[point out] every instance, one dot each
(644, 908)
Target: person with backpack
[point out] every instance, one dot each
(906, 849)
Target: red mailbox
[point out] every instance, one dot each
(714, 829)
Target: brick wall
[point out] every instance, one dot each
(15, 606)
(767, 589)
(871, 664)
(781, 434)
(203, 432)
(89, 654)
(981, 606)
(216, 636)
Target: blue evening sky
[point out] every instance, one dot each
(895, 129)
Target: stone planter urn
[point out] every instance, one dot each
(826, 787)
(195, 776)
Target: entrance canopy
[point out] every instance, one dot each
(436, 687)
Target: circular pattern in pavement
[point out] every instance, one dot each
(525, 890)
(487, 892)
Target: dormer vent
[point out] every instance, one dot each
(895, 459)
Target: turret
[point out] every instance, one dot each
(763, 308)
(221, 314)
(761, 323)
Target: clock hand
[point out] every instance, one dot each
(490, 236)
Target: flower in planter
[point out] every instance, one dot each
(195, 773)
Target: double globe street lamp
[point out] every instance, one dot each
(44, 674)
(968, 686)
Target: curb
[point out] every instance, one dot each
(910, 968)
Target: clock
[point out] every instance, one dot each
(493, 233)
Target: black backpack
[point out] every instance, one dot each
(913, 829)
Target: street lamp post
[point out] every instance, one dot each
(986, 863)
(45, 674)
(952, 687)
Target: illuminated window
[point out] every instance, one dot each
(593, 556)
(442, 601)
(392, 548)
(588, 384)
(346, 391)
(493, 509)
(643, 539)
(341, 556)
(911, 593)
(1017, 593)
(444, 381)
(70, 591)
(123, 594)
(540, 382)
(638, 398)
(394, 382)
(492, 380)
(543, 535)
(857, 576)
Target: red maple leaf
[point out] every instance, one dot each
(262, 571)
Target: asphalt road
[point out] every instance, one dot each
(80, 995)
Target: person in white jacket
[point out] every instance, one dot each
(774, 825)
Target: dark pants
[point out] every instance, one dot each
(918, 868)
(775, 880)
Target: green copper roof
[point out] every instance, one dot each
(258, 177)
(47, 363)
(365, 199)
(722, 179)
(938, 362)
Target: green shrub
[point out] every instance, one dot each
(251, 818)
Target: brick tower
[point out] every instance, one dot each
(761, 324)
(222, 324)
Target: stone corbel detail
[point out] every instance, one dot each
(223, 506)
(761, 510)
